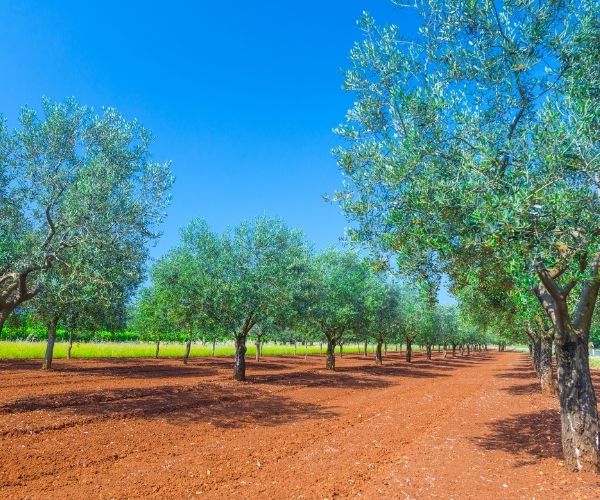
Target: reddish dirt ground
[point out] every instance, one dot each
(471, 427)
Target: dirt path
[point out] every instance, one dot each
(472, 427)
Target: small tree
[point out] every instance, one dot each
(338, 303)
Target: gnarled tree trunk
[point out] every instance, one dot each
(578, 407)
(378, 357)
(52, 324)
(330, 364)
(408, 350)
(70, 345)
(546, 374)
(579, 410)
(239, 363)
(188, 348)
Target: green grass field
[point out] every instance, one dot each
(32, 350)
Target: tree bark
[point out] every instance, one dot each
(341, 350)
(257, 353)
(330, 364)
(214, 347)
(579, 410)
(188, 348)
(366, 349)
(408, 350)
(47, 364)
(537, 355)
(378, 357)
(157, 352)
(239, 364)
(578, 407)
(546, 374)
(3, 316)
(428, 351)
(70, 346)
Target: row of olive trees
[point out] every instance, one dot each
(80, 200)
(473, 152)
(261, 280)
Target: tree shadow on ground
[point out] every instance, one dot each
(320, 378)
(520, 390)
(116, 367)
(226, 406)
(535, 434)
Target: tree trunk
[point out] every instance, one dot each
(366, 349)
(385, 348)
(47, 364)
(428, 350)
(257, 353)
(3, 316)
(579, 411)
(295, 348)
(378, 358)
(239, 364)
(188, 348)
(70, 346)
(453, 350)
(214, 347)
(546, 375)
(341, 350)
(330, 364)
(408, 350)
(321, 348)
(157, 352)
(537, 355)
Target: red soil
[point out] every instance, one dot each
(471, 427)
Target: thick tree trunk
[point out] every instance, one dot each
(157, 351)
(537, 356)
(546, 375)
(378, 358)
(428, 350)
(188, 348)
(47, 364)
(453, 350)
(239, 364)
(70, 346)
(468, 349)
(330, 364)
(408, 350)
(579, 411)
(366, 349)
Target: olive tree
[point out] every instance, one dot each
(480, 136)
(73, 179)
(338, 302)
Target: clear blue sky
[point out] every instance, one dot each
(241, 96)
